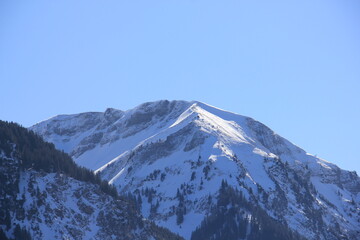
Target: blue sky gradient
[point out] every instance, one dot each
(293, 65)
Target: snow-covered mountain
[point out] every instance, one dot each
(175, 155)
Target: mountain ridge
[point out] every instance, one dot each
(194, 146)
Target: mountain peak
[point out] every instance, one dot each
(168, 147)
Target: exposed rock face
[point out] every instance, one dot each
(174, 155)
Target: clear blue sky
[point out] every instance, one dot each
(293, 65)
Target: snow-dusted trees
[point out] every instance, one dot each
(235, 218)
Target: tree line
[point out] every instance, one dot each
(39, 155)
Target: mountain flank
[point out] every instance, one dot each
(45, 195)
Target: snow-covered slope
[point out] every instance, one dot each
(42, 200)
(177, 153)
(93, 139)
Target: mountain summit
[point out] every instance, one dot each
(181, 158)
